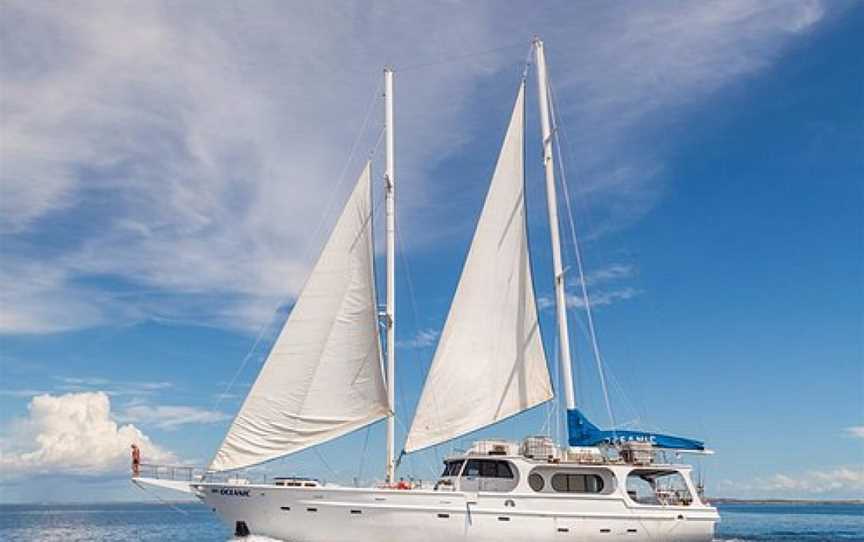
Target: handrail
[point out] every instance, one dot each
(189, 473)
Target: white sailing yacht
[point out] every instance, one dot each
(325, 377)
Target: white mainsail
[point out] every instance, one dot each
(323, 376)
(490, 363)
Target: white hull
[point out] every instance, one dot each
(336, 514)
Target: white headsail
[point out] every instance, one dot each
(490, 363)
(323, 376)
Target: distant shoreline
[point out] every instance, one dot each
(724, 500)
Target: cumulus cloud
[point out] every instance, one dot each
(188, 169)
(842, 481)
(74, 434)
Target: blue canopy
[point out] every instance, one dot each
(584, 433)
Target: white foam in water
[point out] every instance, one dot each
(255, 538)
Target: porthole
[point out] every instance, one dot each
(536, 481)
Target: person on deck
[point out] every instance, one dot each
(136, 460)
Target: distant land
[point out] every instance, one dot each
(786, 501)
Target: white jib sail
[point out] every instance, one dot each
(490, 363)
(323, 376)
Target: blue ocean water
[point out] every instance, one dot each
(195, 523)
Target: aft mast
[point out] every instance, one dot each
(581, 432)
(552, 205)
(390, 311)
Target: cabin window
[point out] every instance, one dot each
(504, 470)
(577, 483)
(452, 468)
(658, 488)
(536, 481)
(487, 468)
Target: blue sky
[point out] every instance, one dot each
(169, 172)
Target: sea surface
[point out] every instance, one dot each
(195, 523)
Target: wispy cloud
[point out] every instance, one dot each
(114, 388)
(856, 431)
(21, 393)
(170, 416)
(135, 390)
(606, 286)
(173, 168)
(598, 298)
(424, 338)
(842, 481)
(601, 298)
(610, 273)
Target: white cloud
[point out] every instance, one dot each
(424, 338)
(842, 481)
(170, 416)
(193, 165)
(21, 392)
(73, 433)
(598, 298)
(114, 388)
(134, 390)
(610, 273)
(856, 431)
(601, 298)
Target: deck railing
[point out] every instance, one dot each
(187, 473)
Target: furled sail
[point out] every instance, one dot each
(489, 363)
(322, 378)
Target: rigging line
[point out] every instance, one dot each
(160, 499)
(427, 461)
(363, 454)
(591, 230)
(316, 232)
(401, 251)
(324, 461)
(400, 248)
(641, 417)
(583, 283)
(341, 179)
(610, 374)
(528, 62)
